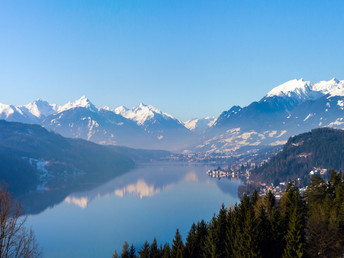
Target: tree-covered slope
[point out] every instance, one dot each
(33, 158)
(320, 148)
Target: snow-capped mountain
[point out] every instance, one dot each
(307, 90)
(40, 108)
(143, 114)
(199, 125)
(160, 125)
(143, 126)
(83, 102)
(291, 108)
(17, 114)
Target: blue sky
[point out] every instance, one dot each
(187, 58)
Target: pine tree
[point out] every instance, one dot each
(210, 241)
(200, 238)
(316, 191)
(166, 251)
(144, 251)
(132, 252)
(154, 251)
(221, 232)
(125, 250)
(115, 255)
(269, 204)
(295, 239)
(177, 246)
(264, 232)
(191, 244)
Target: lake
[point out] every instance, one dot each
(150, 200)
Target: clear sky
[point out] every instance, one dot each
(187, 58)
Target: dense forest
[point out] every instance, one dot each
(320, 148)
(294, 226)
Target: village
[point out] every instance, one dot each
(243, 172)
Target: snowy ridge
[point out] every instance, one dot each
(305, 90)
(141, 113)
(82, 102)
(332, 87)
(200, 123)
(41, 108)
(7, 110)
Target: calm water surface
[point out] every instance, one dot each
(151, 200)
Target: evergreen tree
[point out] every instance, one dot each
(166, 251)
(177, 246)
(125, 250)
(316, 191)
(269, 203)
(115, 255)
(221, 232)
(154, 251)
(277, 236)
(200, 238)
(191, 244)
(132, 252)
(295, 237)
(263, 233)
(144, 251)
(323, 238)
(210, 241)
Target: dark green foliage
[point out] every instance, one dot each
(154, 251)
(125, 250)
(177, 246)
(191, 245)
(323, 147)
(294, 226)
(166, 251)
(132, 252)
(144, 251)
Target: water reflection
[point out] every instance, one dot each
(147, 183)
(151, 200)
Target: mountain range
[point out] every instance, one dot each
(291, 108)
(294, 107)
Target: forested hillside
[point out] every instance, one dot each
(320, 148)
(35, 161)
(295, 226)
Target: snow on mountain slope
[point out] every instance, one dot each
(332, 87)
(307, 90)
(199, 125)
(297, 89)
(16, 114)
(142, 113)
(291, 108)
(82, 102)
(41, 108)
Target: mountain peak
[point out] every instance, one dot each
(83, 102)
(334, 79)
(121, 110)
(41, 108)
(298, 86)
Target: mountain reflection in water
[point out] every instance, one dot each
(151, 200)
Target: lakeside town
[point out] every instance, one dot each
(244, 171)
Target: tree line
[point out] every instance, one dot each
(308, 225)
